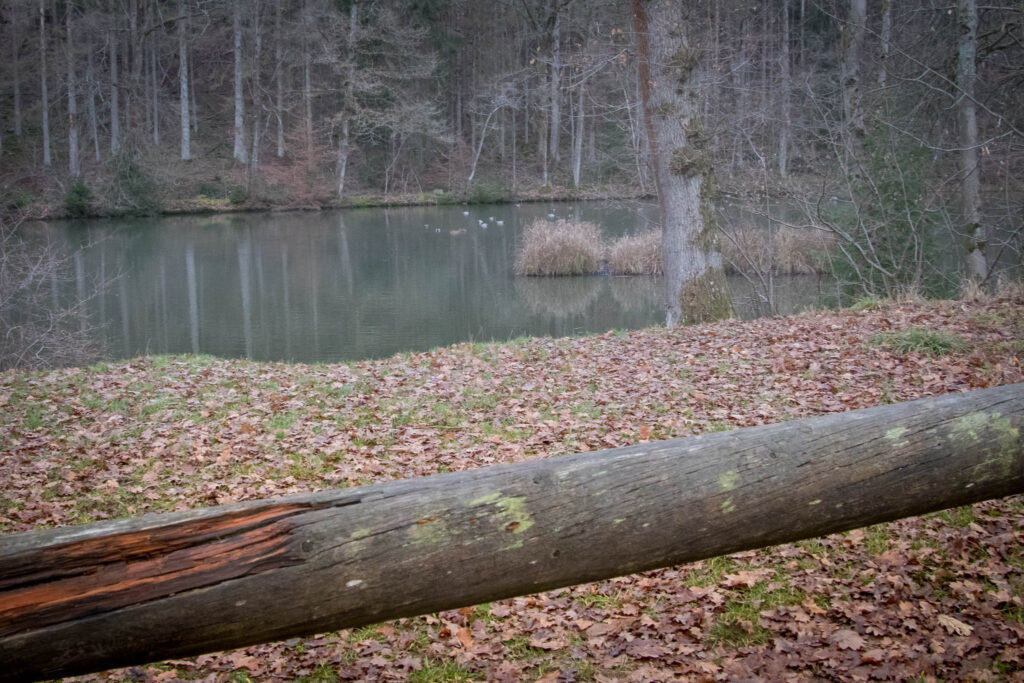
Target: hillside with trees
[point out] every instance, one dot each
(306, 102)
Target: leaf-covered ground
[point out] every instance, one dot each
(937, 597)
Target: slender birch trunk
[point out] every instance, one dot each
(154, 90)
(307, 88)
(90, 77)
(350, 55)
(279, 78)
(885, 38)
(136, 71)
(15, 64)
(43, 94)
(192, 90)
(74, 166)
(554, 138)
(186, 140)
(115, 96)
(785, 86)
(254, 155)
(853, 50)
(577, 147)
(239, 150)
(966, 75)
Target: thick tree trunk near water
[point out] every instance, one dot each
(124, 592)
(672, 80)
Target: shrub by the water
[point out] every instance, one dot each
(789, 251)
(78, 200)
(636, 254)
(560, 248)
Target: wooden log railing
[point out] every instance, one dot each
(87, 598)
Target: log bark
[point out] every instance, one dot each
(124, 592)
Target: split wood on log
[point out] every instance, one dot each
(118, 593)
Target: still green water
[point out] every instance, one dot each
(351, 284)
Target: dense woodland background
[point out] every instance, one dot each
(300, 101)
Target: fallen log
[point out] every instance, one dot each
(98, 596)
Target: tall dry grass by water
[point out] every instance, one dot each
(785, 251)
(577, 248)
(560, 248)
(636, 254)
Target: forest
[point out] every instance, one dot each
(312, 102)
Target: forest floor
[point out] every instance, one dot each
(936, 597)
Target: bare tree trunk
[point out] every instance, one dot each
(672, 75)
(43, 94)
(885, 38)
(192, 90)
(257, 31)
(480, 145)
(15, 65)
(90, 77)
(554, 135)
(542, 146)
(307, 87)
(279, 78)
(154, 90)
(514, 132)
(785, 86)
(136, 71)
(239, 150)
(115, 96)
(966, 75)
(350, 54)
(853, 50)
(577, 146)
(74, 166)
(186, 141)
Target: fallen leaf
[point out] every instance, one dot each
(465, 637)
(846, 639)
(955, 626)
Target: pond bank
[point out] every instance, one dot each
(173, 432)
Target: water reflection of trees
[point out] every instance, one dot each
(44, 293)
(559, 296)
(637, 293)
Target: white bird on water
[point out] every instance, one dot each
(499, 222)
(465, 213)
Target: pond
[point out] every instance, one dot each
(350, 284)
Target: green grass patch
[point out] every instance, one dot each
(738, 625)
(440, 671)
(916, 340)
(958, 517)
(709, 572)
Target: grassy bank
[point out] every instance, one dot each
(937, 596)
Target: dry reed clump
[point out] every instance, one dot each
(790, 251)
(560, 248)
(636, 254)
